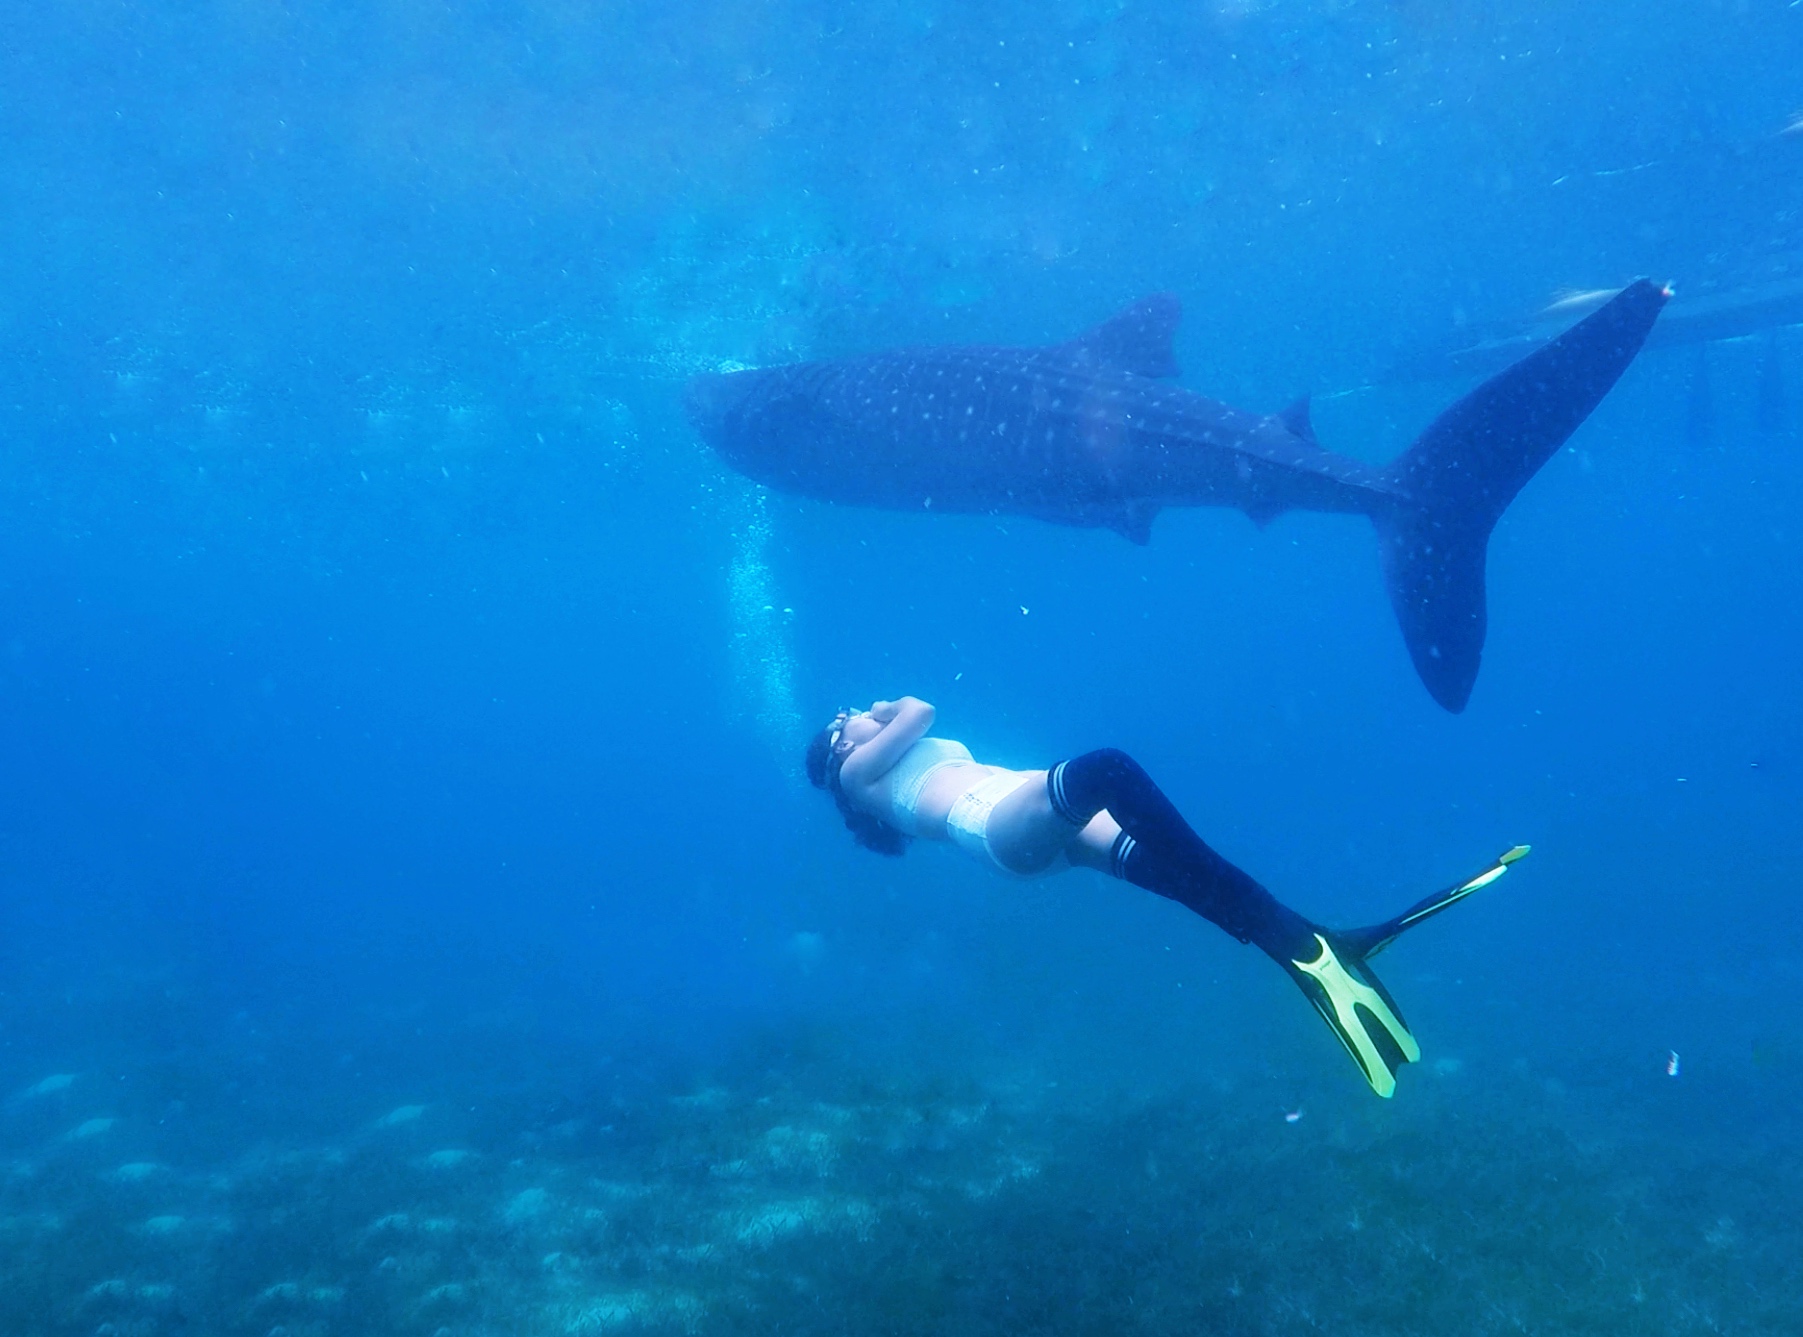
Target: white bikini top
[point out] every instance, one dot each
(909, 776)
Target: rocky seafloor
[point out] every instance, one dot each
(813, 1197)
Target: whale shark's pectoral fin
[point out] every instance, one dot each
(1137, 339)
(1262, 508)
(1133, 521)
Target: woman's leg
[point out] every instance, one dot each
(1161, 852)
(1127, 828)
(1025, 833)
(1156, 849)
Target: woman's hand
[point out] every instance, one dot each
(884, 712)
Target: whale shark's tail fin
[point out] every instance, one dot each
(1459, 476)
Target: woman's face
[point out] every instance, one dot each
(860, 728)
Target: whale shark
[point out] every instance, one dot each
(1092, 432)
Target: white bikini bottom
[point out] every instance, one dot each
(968, 821)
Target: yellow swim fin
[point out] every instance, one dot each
(1368, 942)
(1353, 1001)
(1359, 1010)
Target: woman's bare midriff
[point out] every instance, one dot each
(943, 788)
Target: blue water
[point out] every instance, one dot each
(412, 917)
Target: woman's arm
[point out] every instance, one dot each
(908, 720)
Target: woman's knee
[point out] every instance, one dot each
(1113, 761)
(1093, 778)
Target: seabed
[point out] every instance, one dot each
(816, 1196)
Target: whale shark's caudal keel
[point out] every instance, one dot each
(1092, 432)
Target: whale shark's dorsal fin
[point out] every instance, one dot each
(1136, 339)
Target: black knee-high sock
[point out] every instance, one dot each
(1159, 851)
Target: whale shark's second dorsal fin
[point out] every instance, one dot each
(1136, 339)
(1296, 419)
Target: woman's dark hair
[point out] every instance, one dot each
(823, 761)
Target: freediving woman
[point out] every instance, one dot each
(893, 782)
